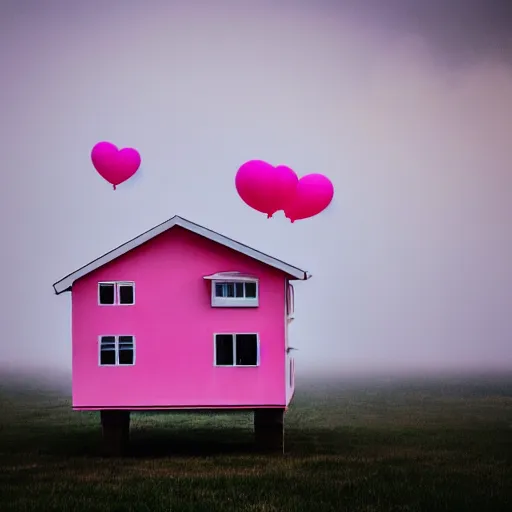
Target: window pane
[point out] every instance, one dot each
(230, 289)
(107, 350)
(126, 341)
(246, 349)
(108, 342)
(126, 355)
(107, 357)
(239, 290)
(126, 294)
(250, 290)
(219, 290)
(224, 349)
(107, 293)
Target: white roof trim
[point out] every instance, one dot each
(231, 276)
(65, 283)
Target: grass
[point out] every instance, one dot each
(437, 444)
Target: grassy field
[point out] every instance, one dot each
(377, 445)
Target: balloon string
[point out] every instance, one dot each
(114, 187)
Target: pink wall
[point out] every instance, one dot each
(173, 324)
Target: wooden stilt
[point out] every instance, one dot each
(116, 432)
(269, 429)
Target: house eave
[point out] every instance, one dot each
(66, 283)
(58, 292)
(230, 276)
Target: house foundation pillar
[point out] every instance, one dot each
(115, 426)
(269, 430)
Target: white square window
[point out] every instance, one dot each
(237, 349)
(116, 350)
(235, 293)
(116, 293)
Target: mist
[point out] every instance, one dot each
(407, 109)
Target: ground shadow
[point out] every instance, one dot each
(164, 442)
(146, 443)
(160, 442)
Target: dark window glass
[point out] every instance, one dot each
(239, 290)
(108, 357)
(108, 342)
(107, 293)
(125, 342)
(108, 350)
(126, 355)
(218, 290)
(126, 294)
(250, 290)
(246, 349)
(230, 289)
(224, 349)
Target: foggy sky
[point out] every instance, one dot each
(407, 107)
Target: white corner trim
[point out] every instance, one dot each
(66, 283)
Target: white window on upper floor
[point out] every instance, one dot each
(116, 293)
(236, 349)
(116, 350)
(234, 290)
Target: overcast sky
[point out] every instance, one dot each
(406, 106)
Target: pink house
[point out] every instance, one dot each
(182, 317)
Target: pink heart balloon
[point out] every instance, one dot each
(264, 187)
(114, 165)
(313, 195)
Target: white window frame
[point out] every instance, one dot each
(116, 349)
(234, 335)
(117, 285)
(235, 302)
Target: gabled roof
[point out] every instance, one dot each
(66, 283)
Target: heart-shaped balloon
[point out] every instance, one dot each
(264, 187)
(113, 164)
(313, 194)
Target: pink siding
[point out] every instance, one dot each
(173, 324)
